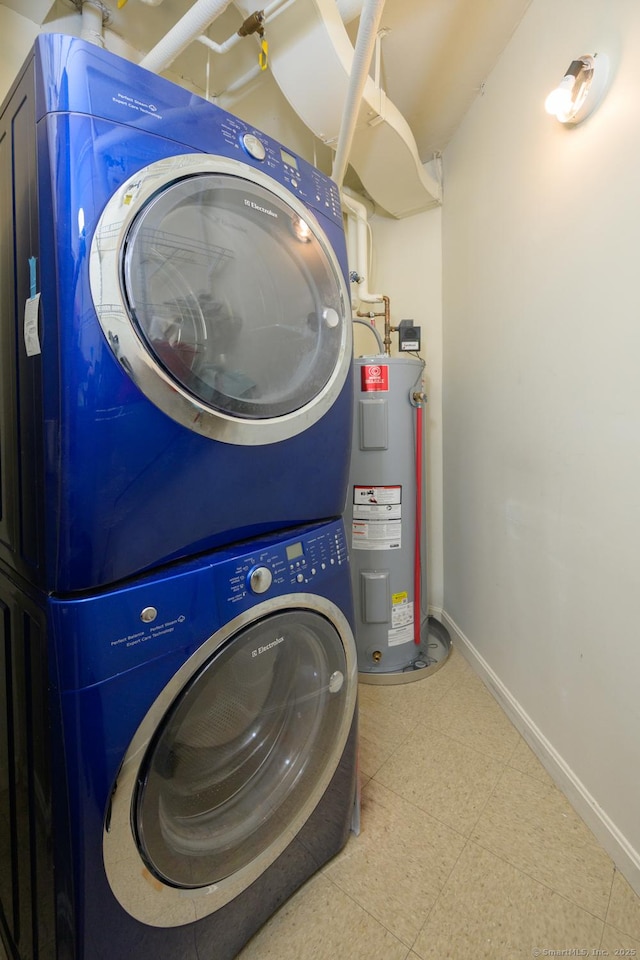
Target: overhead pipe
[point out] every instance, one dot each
(197, 19)
(219, 47)
(357, 220)
(251, 74)
(185, 31)
(365, 44)
(92, 20)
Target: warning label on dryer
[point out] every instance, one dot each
(377, 518)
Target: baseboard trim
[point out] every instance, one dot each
(623, 854)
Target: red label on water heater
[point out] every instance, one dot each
(375, 377)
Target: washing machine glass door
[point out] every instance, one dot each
(244, 754)
(230, 308)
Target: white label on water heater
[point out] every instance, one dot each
(377, 518)
(402, 614)
(376, 535)
(377, 511)
(400, 635)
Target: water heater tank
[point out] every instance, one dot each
(381, 511)
(381, 518)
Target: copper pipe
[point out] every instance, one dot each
(387, 322)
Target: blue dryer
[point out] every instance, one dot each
(189, 761)
(184, 357)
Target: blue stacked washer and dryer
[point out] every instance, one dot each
(178, 670)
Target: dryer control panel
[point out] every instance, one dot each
(293, 172)
(295, 564)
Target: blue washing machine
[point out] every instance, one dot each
(186, 760)
(179, 377)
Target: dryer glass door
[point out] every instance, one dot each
(245, 752)
(235, 295)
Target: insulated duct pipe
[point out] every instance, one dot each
(357, 216)
(365, 43)
(92, 15)
(185, 31)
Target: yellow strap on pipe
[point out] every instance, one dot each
(263, 57)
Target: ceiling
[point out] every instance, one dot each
(435, 54)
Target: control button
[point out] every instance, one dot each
(259, 579)
(300, 577)
(294, 183)
(254, 147)
(148, 615)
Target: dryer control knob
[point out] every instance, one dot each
(259, 579)
(254, 147)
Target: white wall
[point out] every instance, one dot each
(16, 37)
(541, 253)
(407, 267)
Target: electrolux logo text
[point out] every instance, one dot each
(256, 206)
(267, 646)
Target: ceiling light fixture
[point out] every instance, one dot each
(580, 90)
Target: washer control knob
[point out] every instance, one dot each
(254, 147)
(259, 579)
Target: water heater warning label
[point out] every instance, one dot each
(377, 518)
(374, 376)
(376, 496)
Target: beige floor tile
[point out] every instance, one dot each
(624, 907)
(619, 944)
(389, 714)
(383, 720)
(399, 864)
(443, 777)
(491, 911)
(524, 759)
(534, 827)
(321, 923)
(372, 754)
(470, 714)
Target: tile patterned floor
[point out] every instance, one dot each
(467, 850)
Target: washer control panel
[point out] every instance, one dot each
(296, 563)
